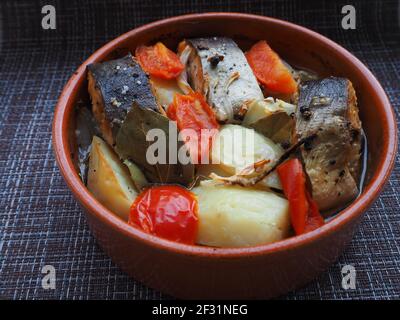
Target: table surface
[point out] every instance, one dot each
(41, 223)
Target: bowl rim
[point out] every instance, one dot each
(94, 207)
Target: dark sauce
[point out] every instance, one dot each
(364, 162)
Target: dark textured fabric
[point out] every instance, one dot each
(40, 222)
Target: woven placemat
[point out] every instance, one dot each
(41, 223)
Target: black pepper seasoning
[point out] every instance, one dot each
(215, 59)
(305, 112)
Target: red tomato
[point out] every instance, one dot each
(192, 112)
(159, 61)
(314, 220)
(304, 213)
(293, 184)
(269, 69)
(167, 211)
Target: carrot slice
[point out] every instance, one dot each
(159, 61)
(269, 69)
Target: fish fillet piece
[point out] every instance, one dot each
(217, 68)
(113, 87)
(328, 108)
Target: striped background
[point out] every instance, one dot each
(40, 222)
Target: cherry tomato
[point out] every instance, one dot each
(167, 211)
(159, 61)
(269, 69)
(192, 112)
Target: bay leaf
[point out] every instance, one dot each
(131, 144)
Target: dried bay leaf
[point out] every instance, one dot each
(131, 144)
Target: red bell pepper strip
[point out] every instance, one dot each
(304, 213)
(314, 220)
(269, 69)
(159, 61)
(192, 112)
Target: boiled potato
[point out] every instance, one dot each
(234, 216)
(270, 181)
(138, 178)
(237, 147)
(109, 180)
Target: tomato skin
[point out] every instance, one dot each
(293, 183)
(159, 61)
(192, 112)
(304, 213)
(269, 69)
(314, 220)
(167, 211)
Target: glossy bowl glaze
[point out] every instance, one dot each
(257, 272)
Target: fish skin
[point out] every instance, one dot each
(118, 83)
(328, 108)
(225, 93)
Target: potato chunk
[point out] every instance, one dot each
(109, 180)
(138, 178)
(234, 216)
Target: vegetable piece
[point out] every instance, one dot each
(210, 170)
(260, 109)
(153, 157)
(234, 216)
(315, 220)
(304, 212)
(184, 53)
(167, 211)
(159, 61)
(269, 69)
(258, 171)
(138, 178)
(108, 179)
(293, 182)
(192, 112)
(270, 181)
(164, 90)
(236, 148)
(273, 119)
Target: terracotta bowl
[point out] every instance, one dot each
(257, 272)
